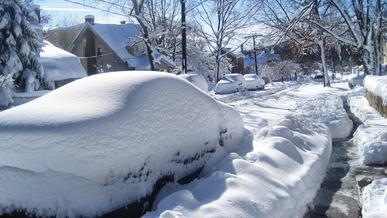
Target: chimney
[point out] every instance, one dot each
(122, 22)
(89, 19)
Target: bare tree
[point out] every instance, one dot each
(219, 22)
(365, 24)
(138, 13)
(291, 20)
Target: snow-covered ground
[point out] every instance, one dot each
(371, 136)
(102, 142)
(281, 165)
(375, 199)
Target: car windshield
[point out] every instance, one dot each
(234, 77)
(251, 76)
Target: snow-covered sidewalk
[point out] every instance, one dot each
(280, 167)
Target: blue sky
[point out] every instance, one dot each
(62, 12)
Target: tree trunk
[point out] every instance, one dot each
(367, 62)
(183, 39)
(138, 6)
(321, 44)
(217, 66)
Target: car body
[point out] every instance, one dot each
(318, 77)
(196, 80)
(230, 83)
(356, 80)
(100, 144)
(254, 82)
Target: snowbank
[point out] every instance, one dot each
(377, 85)
(374, 199)
(371, 136)
(277, 175)
(102, 142)
(376, 93)
(59, 64)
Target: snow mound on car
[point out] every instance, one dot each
(102, 142)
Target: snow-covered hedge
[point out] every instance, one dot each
(371, 136)
(104, 142)
(376, 91)
(374, 199)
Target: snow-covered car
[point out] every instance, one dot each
(318, 78)
(254, 82)
(197, 80)
(337, 76)
(355, 80)
(106, 144)
(231, 83)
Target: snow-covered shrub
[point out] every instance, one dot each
(205, 64)
(106, 141)
(19, 41)
(371, 136)
(376, 91)
(5, 94)
(281, 69)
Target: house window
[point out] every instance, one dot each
(99, 52)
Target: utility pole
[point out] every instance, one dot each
(255, 56)
(183, 39)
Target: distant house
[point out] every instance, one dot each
(264, 57)
(236, 60)
(107, 47)
(59, 66)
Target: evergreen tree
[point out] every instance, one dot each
(20, 43)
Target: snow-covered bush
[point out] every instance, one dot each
(5, 93)
(281, 69)
(205, 64)
(376, 90)
(106, 141)
(19, 42)
(371, 136)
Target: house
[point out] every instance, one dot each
(59, 66)
(107, 47)
(236, 59)
(264, 57)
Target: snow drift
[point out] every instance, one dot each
(376, 92)
(377, 85)
(102, 142)
(374, 199)
(277, 175)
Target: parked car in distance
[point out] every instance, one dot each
(196, 80)
(230, 83)
(254, 82)
(355, 80)
(318, 77)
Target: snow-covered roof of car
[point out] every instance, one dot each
(101, 142)
(59, 64)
